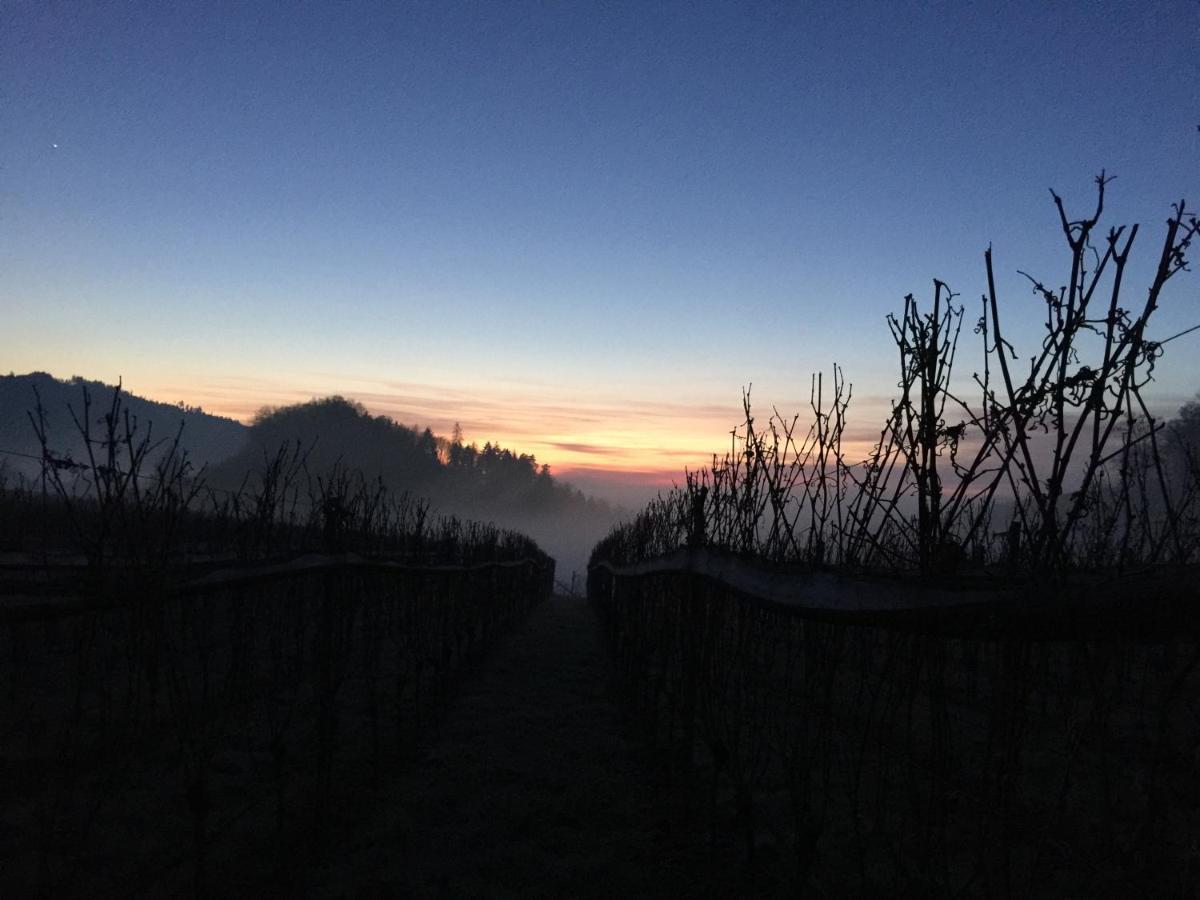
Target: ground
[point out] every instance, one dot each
(533, 786)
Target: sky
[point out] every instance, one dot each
(578, 229)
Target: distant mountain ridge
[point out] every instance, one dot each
(209, 439)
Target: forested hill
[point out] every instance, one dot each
(488, 482)
(207, 438)
(335, 430)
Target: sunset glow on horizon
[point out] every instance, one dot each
(596, 440)
(578, 230)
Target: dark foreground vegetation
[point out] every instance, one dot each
(197, 682)
(967, 665)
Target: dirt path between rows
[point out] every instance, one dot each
(532, 787)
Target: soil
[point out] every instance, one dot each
(534, 786)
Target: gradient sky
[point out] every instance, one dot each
(576, 228)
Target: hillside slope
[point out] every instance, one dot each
(208, 439)
(489, 483)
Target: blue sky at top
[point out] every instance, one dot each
(590, 204)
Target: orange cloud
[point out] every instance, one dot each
(588, 435)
